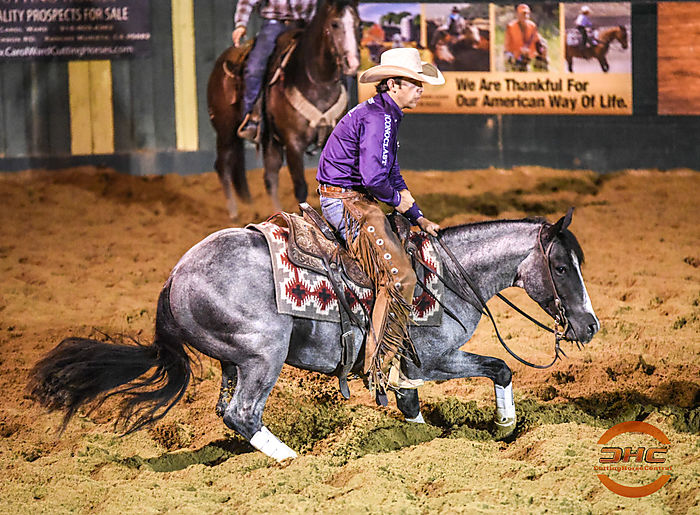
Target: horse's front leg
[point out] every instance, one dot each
(457, 364)
(295, 162)
(272, 161)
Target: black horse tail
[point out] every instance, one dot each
(81, 371)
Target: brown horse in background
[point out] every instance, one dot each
(310, 75)
(600, 50)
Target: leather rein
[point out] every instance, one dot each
(561, 322)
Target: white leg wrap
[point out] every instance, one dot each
(418, 420)
(269, 444)
(505, 407)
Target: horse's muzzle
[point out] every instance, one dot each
(351, 63)
(582, 328)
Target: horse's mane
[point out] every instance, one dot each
(567, 238)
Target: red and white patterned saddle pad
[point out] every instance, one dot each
(303, 293)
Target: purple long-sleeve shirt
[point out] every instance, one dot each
(361, 152)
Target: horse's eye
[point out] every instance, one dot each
(335, 25)
(560, 269)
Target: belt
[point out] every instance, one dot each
(297, 23)
(330, 191)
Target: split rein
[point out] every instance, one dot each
(561, 322)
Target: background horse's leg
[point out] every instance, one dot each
(228, 386)
(295, 162)
(230, 167)
(272, 160)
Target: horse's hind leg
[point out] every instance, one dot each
(255, 379)
(230, 167)
(228, 386)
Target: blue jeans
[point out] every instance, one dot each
(256, 64)
(333, 211)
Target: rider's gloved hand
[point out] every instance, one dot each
(238, 34)
(406, 202)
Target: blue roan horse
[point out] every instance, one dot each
(220, 300)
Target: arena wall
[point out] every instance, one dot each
(148, 115)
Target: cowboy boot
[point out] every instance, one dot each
(398, 380)
(250, 126)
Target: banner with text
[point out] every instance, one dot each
(74, 29)
(544, 58)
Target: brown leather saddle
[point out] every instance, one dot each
(313, 245)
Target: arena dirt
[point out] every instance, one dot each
(85, 252)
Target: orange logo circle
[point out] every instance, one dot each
(652, 455)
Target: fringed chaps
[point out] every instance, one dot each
(380, 254)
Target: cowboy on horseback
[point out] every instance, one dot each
(585, 26)
(278, 16)
(359, 167)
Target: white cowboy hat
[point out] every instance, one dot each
(403, 62)
(585, 9)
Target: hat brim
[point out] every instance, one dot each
(429, 74)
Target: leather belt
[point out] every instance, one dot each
(290, 23)
(330, 191)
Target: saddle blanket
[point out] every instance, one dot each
(306, 294)
(573, 37)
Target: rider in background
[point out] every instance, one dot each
(454, 22)
(278, 16)
(359, 167)
(521, 39)
(584, 26)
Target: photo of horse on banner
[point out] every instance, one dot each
(458, 36)
(598, 37)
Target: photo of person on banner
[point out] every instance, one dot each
(597, 37)
(458, 36)
(527, 37)
(386, 26)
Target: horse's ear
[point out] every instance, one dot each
(561, 224)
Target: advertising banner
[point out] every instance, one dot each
(543, 58)
(74, 29)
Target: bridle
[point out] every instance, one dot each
(335, 53)
(471, 295)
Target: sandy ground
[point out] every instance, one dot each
(85, 252)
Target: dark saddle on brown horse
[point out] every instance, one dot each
(235, 58)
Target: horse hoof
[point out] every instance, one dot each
(503, 428)
(417, 420)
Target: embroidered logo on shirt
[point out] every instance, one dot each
(387, 135)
